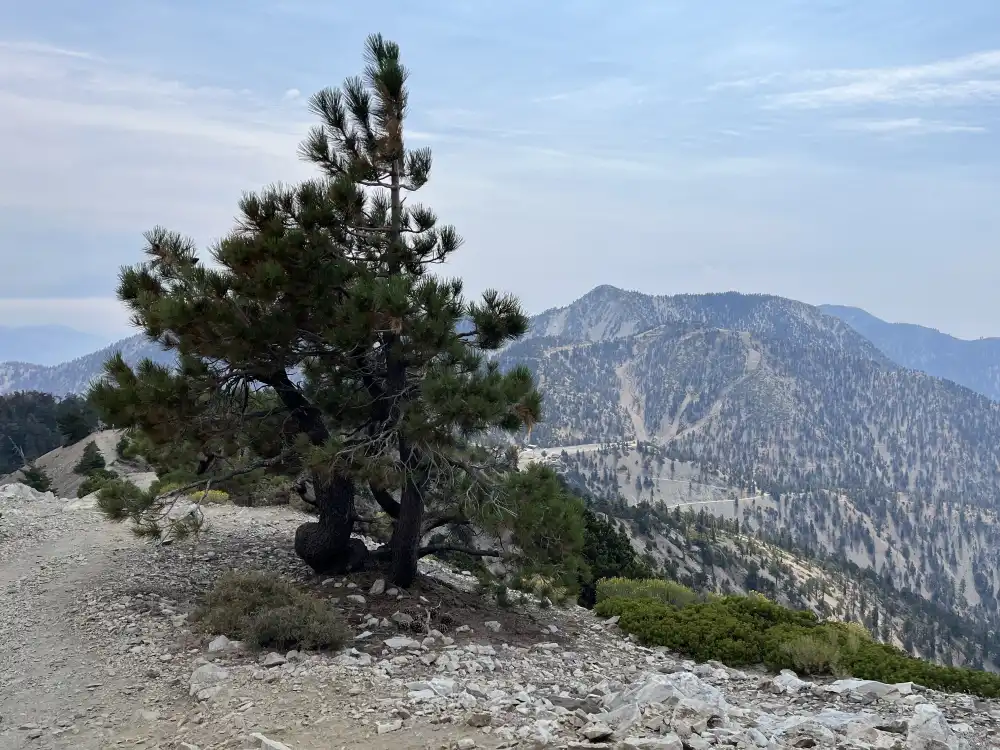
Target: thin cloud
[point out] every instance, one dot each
(607, 93)
(82, 138)
(908, 126)
(45, 49)
(959, 80)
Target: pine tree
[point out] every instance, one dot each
(322, 342)
(90, 460)
(34, 476)
(76, 419)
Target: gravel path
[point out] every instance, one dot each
(91, 655)
(55, 684)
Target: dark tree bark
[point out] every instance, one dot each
(409, 526)
(326, 545)
(406, 536)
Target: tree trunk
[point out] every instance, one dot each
(406, 537)
(326, 545)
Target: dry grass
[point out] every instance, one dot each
(267, 612)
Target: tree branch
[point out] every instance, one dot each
(433, 549)
(308, 416)
(227, 476)
(385, 500)
(436, 522)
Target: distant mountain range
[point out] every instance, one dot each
(60, 360)
(974, 364)
(76, 375)
(46, 345)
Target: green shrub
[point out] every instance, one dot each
(667, 592)
(608, 553)
(267, 612)
(748, 630)
(95, 481)
(91, 460)
(212, 497)
(126, 448)
(34, 476)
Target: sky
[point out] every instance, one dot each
(830, 151)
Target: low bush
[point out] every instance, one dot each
(608, 553)
(749, 630)
(661, 590)
(95, 481)
(35, 476)
(267, 612)
(212, 497)
(125, 448)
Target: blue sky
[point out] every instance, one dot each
(825, 150)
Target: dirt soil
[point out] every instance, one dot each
(81, 598)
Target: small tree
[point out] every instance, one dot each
(76, 419)
(91, 460)
(322, 343)
(34, 476)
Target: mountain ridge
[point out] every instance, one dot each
(76, 375)
(974, 364)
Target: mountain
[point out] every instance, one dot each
(974, 364)
(752, 442)
(788, 422)
(45, 345)
(776, 392)
(76, 375)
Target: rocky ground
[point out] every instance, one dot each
(96, 652)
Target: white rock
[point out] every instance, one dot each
(666, 742)
(390, 726)
(399, 642)
(929, 730)
(204, 681)
(272, 660)
(354, 658)
(789, 682)
(221, 644)
(597, 731)
(267, 744)
(492, 625)
(378, 588)
(867, 688)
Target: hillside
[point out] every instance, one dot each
(931, 592)
(76, 375)
(775, 393)
(769, 413)
(58, 464)
(974, 364)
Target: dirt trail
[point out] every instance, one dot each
(63, 685)
(56, 681)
